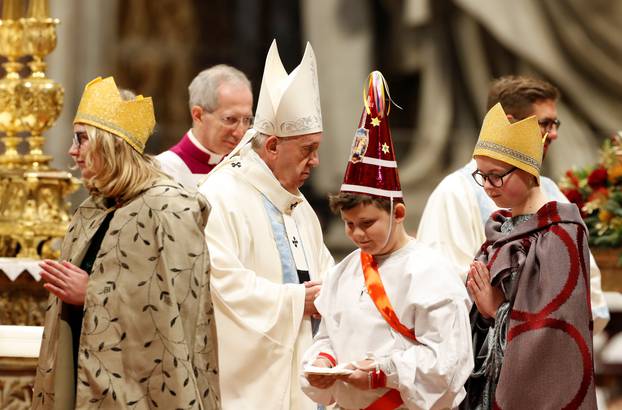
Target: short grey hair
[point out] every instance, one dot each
(203, 89)
(259, 141)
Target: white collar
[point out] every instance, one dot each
(258, 174)
(213, 157)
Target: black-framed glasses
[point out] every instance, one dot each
(547, 124)
(495, 180)
(79, 138)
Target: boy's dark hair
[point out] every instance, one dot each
(517, 94)
(346, 201)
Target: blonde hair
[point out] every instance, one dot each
(120, 172)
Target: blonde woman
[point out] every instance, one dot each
(129, 322)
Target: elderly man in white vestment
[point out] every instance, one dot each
(454, 216)
(266, 245)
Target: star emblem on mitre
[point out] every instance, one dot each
(385, 148)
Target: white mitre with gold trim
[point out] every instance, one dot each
(289, 104)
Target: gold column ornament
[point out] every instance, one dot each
(11, 39)
(33, 209)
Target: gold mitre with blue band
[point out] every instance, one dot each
(102, 106)
(519, 144)
(289, 104)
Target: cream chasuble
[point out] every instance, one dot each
(262, 333)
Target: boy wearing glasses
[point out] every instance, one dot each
(457, 209)
(531, 324)
(221, 106)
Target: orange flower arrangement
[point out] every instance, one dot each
(597, 191)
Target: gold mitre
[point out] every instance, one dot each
(519, 144)
(289, 104)
(102, 106)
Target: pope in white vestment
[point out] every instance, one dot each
(453, 220)
(263, 240)
(261, 330)
(427, 296)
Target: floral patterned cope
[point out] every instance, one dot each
(148, 334)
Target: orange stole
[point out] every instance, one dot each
(374, 285)
(391, 399)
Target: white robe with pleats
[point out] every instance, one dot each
(262, 333)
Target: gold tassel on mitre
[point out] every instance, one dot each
(519, 144)
(102, 106)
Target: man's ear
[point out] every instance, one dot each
(196, 112)
(399, 212)
(271, 144)
(510, 117)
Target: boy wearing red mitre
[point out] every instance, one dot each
(395, 330)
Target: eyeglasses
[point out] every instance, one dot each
(79, 138)
(495, 180)
(231, 121)
(547, 124)
(234, 122)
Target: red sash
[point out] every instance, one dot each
(376, 291)
(388, 401)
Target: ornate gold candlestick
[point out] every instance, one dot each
(42, 97)
(33, 211)
(11, 39)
